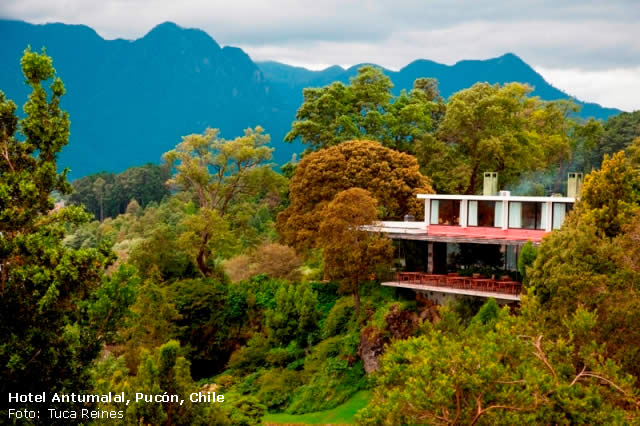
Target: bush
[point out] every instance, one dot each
(245, 410)
(271, 259)
(251, 356)
(281, 357)
(276, 387)
(339, 317)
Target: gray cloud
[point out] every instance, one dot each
(580, 36)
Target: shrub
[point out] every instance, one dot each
(339, 317)
(252, 355)
(276, 387)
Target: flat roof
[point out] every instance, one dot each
(457, 234)
(496, 198)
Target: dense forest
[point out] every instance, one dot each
(219, 272)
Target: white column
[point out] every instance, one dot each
(463, 213)
(549, 214)
(505, 214)
(427, 213)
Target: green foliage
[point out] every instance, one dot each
(144, 184)
(366, 109)
(252, 355)
(610, 196)
(51, 321)
(338, 319)
(223, 175)
(152, 322)
(496, 373)
(619, 132)
(528, 255)
(488, 314)
(342, 414)
(245, 410)
(493, 128)
(165, 370)
(276, 388)
(211, 316)
(294, 316)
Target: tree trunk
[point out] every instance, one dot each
(356, 300)
(202, 262)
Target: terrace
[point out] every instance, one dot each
(503, 289)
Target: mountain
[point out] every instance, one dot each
(131, 101)
(451, 78)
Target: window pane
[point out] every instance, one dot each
(434, 211)
(487, 213)
(559, 211)
(473, 213)
(448, 212)
(497, 222)
(515, 215)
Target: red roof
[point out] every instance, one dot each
(481, 233)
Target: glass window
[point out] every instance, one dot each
(498, 215)
(525, 215)
(483, 213)
(445, 212)
(559, 212)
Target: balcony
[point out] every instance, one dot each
(501, 289)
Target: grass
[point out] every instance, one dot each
(342, 414)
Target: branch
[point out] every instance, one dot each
(584, 373)
(540, 354)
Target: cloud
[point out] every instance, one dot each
(592, 34)
(612, 88)
(593, 41)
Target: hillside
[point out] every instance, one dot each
(130, 101)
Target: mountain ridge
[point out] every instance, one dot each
(132, 100)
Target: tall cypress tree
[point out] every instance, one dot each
(50, 323)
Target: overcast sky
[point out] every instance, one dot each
(590, 49)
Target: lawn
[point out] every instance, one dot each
(342, 414)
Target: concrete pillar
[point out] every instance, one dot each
(505, 214)
(464, 207)
(430, 257)
(549, 217)
(427, 213)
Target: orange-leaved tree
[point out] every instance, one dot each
(351, 254)
(393, 179)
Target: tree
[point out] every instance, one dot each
(152, 322)
(619, 131)
(591, 264)
(204, 233)
(48, 332)
(493, 128)
(633, 152)
(498, 372)
(610, 196)
(366, 109)
(391, 177)
(166, 371)
(272, 259)
(528, 255)
(295, 315)
(218, 170)
(350, 253)
(99, 190)
(112, 193)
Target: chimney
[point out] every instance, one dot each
(574, 185)
(490, 186)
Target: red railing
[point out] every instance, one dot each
(503, 286)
